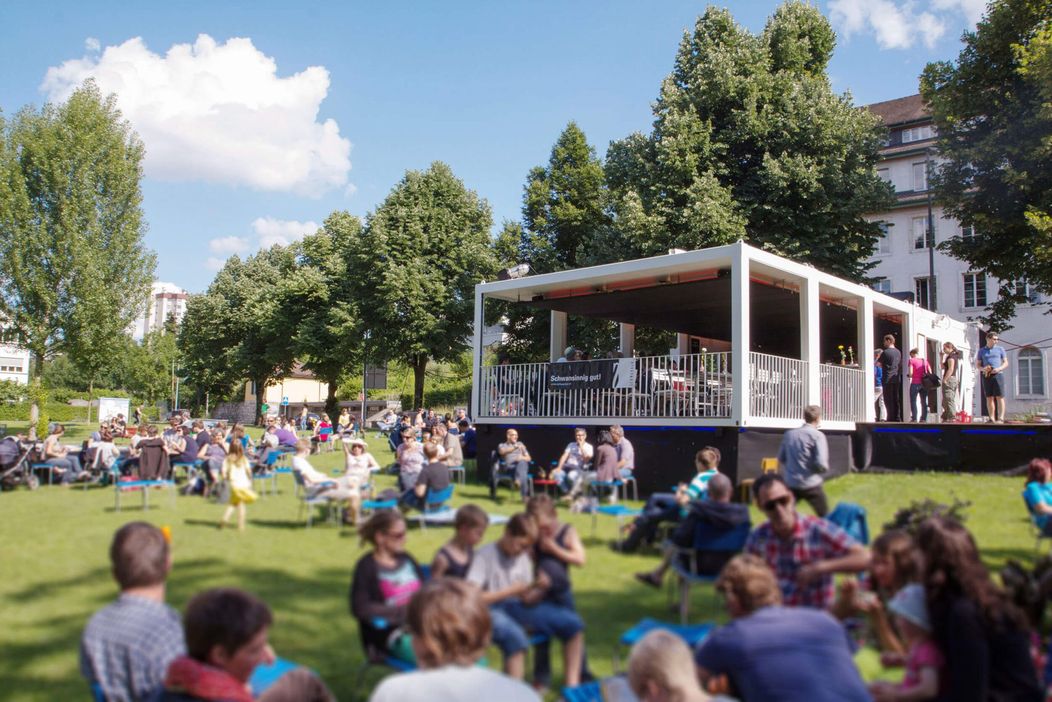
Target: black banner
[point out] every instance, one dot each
(580, 375)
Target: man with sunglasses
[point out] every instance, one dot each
(803, 551)
(992, 362)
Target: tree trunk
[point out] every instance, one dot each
(332, 407)
(419, 367)
(35, 371)
(258, 409)
(91, 390)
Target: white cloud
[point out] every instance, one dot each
(229, 245)
(281, 231)
(92, 44)
(214, 264)
(972, 9)
(219, 112)
(896, 25)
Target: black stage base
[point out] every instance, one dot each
(665, 455)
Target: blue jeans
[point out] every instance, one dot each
(521, 471)
(917, 392)
(508, 634)
(70, 464)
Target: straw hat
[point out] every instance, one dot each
(358, 442)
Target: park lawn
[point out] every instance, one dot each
(53, 546)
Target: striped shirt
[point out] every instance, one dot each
(699, 486)
(127, 646)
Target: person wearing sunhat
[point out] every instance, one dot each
(923, 661)
(358, 467)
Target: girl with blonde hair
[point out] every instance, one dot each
(661, 669)
(238, 475)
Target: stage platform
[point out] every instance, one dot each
(665, 455)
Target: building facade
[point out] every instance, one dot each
(166, 300)
(14, 360)
(905, 258)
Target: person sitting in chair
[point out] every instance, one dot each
(513, 458)
(433, 478)
(718, 512)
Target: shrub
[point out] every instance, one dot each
(911, 517)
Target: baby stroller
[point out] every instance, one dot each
(14, 464)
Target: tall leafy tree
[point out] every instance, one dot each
(241, 328)
(564, 213)
(750, 142)
(319, 299)
(422, 252)
(73, 269)
(992, 111)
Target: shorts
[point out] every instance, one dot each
(994, 385)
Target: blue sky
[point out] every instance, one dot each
(260, 118)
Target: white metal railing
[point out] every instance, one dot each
(843, 393)
(692, 385)
(777, 386)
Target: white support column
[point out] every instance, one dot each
(627, 341)
(558, 336)
(864, 354)
(909, 340)
(740, 309)
(810, 340)
(476, 352)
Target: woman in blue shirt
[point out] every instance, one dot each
(1038, 493)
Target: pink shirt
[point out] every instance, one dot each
(923, 655)
(918, 366)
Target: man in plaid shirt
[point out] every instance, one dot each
(803, 551)
(127, 645)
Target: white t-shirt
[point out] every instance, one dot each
(453, 683)
(302, 466)
(492, 571)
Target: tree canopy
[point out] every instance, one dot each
(993, 112)
(73, 269)
(422, 252)
(749, 142)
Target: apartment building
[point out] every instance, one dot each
(905, 259)
(166, 300)
(14, 360)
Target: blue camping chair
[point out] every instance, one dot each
(852, 519)
(1035, 527)
(435, 503)
(709, 539)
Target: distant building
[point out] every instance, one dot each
(902, 257)
(14, 360)
(166, 300)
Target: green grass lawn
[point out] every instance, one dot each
(53, 547)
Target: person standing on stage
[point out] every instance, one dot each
(992, 362)
(951, 363)
(891, 364)
(880, 413)
(803, 457)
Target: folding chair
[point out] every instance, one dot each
(459, 474)
(310, 500)
(692, 634)
(435, 503)
(709, 539)
(852, 519)
(767, 465)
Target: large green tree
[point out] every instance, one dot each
(421, 254)
(564, 212)
(240, 329)
(73, 269)
(992, 111)
(319, 299)
(750, 142)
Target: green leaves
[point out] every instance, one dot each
(72, 262)
(992, 111)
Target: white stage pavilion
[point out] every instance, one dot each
(758, 338)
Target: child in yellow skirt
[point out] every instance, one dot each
(238, 474)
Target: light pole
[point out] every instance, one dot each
(930, 235)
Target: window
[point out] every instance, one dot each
(882, 285)
(975, 290)
(1031, 374)
(884, 242)
(967, 231)
(922, 293)
(919, 228)
(1024, 289)
(10, 365)
(917, 134)
(884, 174)
(920, 176)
